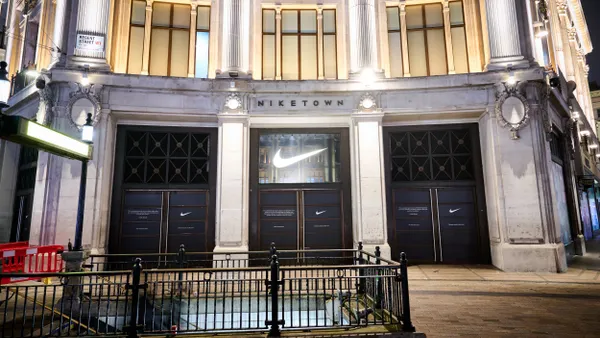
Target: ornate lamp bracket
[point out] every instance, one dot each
(512, 109)
(92, 93)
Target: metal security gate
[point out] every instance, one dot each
(23, 203)
(436, 208)
(164, 190)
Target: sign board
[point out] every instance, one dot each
(301, 103)
(20, 130)
(91, 43)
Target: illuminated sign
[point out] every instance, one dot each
(23, 131)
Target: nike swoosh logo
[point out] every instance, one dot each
(453, 211)
(320, 212)
(279, 162)
(183, 214)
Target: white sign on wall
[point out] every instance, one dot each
(90, 43)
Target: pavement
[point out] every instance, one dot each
(482, 301)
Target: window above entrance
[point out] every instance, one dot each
(299, 158)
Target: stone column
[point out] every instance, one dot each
(236, 38)
(362, 23)
(368, 193)
(91, 31)
(448, 34)
(192, 51)
(232, 184)
(404, 35)
(60, 14)
(504, 37)
(147, 34)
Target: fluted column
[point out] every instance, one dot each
(58, 33)
(503, 31)
(236, 38)
(91, 34)
(363, 37)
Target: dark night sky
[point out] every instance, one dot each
(592, 10)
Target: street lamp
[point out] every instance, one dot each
(87, 135)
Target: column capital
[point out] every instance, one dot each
(504, 36)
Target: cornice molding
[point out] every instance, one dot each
(581, 25)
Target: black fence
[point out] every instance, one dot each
(279, 295)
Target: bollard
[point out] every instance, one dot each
(273, 285)
(361, 271)
(407, 325)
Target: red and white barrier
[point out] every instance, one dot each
(20, 259)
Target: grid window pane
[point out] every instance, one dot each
(268, 21)
(289, 57)
(180, 41)
(136, 50)
(289, 21)
(308, 21)
(161, 14)
(436, 50)
(395, 47)
(138, 12)
(393, 18)
(414, 17)
(456, 13)
(433, 15)
(309, 57)
(202, 40)
(459, 50)
(416, 53)
(329, 57)
(203, 18)
(159, 52)
(329, 21)
(269, 56)
(181, 16)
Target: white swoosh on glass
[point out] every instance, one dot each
(279, 162)
(453, 211)
(183, 214)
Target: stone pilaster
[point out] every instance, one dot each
(368, 188)
(236, 38)
(504, 37)
(362, 23)
(60, 15)
(232, 184)
(91, 35)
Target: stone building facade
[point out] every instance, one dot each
(446, 129)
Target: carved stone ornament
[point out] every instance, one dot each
(233, 103)
(49, 101)
(543, 93)
(83, 100)
(367, 103)
(512, 110)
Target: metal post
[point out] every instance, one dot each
(407, 325)
(379, 285)
(361, 271)
(181, 263)
(80, 207)
(273, 284)
(135, 293)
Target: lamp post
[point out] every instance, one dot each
(87, 135)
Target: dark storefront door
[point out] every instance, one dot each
(23, 202)
(301, 219)
(164, 192)
(160, 221)
(436, 205)
(436, 225)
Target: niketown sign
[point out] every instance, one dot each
(301, 103)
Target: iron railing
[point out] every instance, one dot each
(353, 288)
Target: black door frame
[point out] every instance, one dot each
(114, 240)
(344, 184)
(480, 203)
(24, 190)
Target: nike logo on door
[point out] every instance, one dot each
(453, 211)
(320, 212)
(183, 214)
(279, 162)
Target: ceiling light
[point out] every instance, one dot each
(584, 133)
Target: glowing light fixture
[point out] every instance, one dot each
(368, 103)
(87, 131)
(541, 33)
(593, 146)
(84, 79)
(367, 76)
(584, 133)
(512, 80)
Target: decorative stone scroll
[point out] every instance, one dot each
(84, 100)
(512, 109)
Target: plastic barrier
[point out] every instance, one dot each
(31, 260)
(14, 245)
